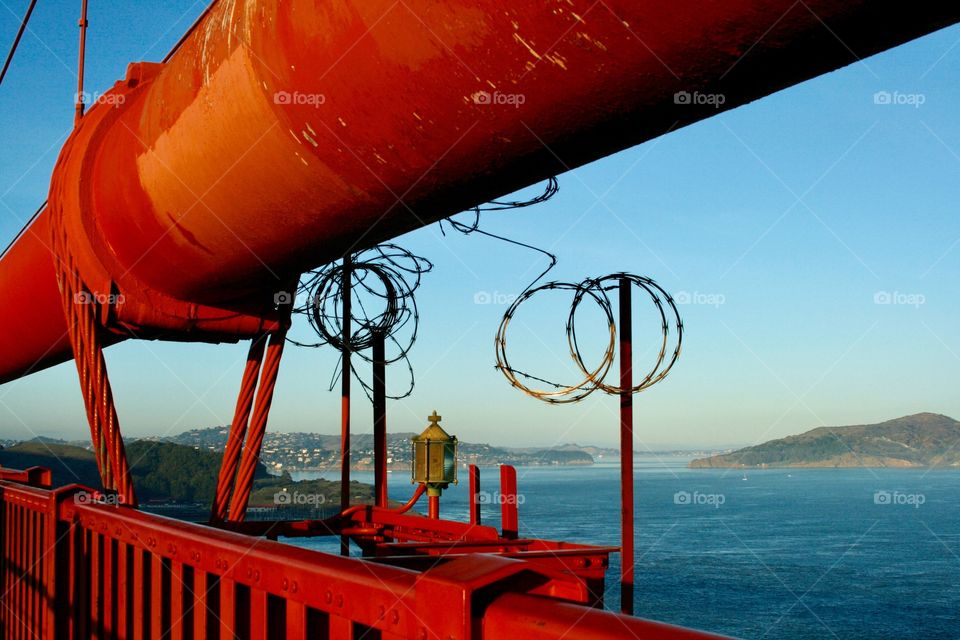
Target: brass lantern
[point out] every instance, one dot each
(434, 457)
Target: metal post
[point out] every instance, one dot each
(81, 63)
(626, 449)
(509, 517)
(345, 374)
(433, 507)
(474, 494)
(380, 418)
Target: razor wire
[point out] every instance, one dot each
(594, 289)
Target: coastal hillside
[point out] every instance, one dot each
(920, 440)
(164, 472)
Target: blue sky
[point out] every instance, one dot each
(793, 216)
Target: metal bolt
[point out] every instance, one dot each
(328, 597)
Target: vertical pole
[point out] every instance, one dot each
(433, 506)
(626, 450)
(474, 494)
(380, 418)
(509, 518)
(346, 283)
(81, 63)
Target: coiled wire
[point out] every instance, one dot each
(596, 290)
(383, 280)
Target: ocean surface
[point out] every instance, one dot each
(798, 553)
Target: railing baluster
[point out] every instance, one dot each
(123, 591)
(96, 579)
(201, 599)
(156, 597)
(341, 628)
(228, 615)
(296, 621)
(5, 542)
(177, 592)
(258, 614)
(109, 585)
(29, 562)
(140, 602)
(18, 576)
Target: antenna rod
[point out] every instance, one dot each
(81, 63)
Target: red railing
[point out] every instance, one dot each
(76, 568)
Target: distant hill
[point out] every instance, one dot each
(920, 440)
(295, 451)
(166, 472)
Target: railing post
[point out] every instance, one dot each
(509, 518)
(380, 418)
(474, 471)
(626, 449)
(346, 372)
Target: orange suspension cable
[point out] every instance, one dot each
(238, 430)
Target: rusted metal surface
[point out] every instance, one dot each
(72, 568)
(281, 135)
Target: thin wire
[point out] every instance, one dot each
(550, 190)
(16, 41)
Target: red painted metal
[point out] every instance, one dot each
(238, 430)
(515, 616)
(433, 507)
(509, 517)
(35, 476)
(625, 327)
(69, 567)
(380, 418)
(195, 216)
(474, 472)
(250, 456)
(346, 376)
